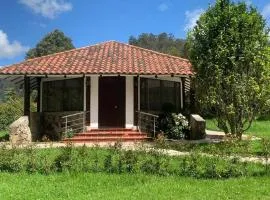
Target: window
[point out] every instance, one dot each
(168, 92)
(144, 94)
(63, 95)
(156, 93)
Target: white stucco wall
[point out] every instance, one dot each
(94, 102)
(129, 102)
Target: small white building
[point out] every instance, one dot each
(110, 83)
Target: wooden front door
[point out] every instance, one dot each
(112, 102)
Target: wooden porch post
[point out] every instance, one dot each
(139, 104)
(26, 96)
(183, 92)
(139, 94)
(38, 94)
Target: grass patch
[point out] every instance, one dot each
(127, 186)
(240, 148)
(4, 136)
(259, 128)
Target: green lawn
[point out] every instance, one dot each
(259, 128)
(105, 186)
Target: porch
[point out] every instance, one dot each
(92, 107)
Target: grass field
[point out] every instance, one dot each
(105, 186)
(259, 128)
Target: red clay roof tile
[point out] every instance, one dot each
(105, 58)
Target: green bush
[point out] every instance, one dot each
(12, 108)
(10, 111)
(83, 159)
(174, 126)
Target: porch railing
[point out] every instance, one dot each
(147, 123)
(74, 122)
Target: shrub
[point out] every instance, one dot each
(12, 108)
(83, 159)
(11, 160)
(10, 111)
(175, 126)
(63, 162)
(69, 133)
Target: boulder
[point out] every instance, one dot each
(20, 133)
(197, 125)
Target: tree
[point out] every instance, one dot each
(229, 51)
(53, 42)
(164, 43)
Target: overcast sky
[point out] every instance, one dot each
(24, 22)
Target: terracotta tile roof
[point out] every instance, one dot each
(104, 58)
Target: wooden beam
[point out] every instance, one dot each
(15, 79)
(26, 96)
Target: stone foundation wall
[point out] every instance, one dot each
(52, 124)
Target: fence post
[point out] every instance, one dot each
(154, 127)
(83, 127)
(66, 126)
(139, 121)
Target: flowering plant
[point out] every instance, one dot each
(180, 127)
(174, 126)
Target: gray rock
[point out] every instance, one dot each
(197, 124)
(20, 133)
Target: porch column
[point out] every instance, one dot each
(26, 110)
(183, 92)
(94, 102)
(38, 94)
(139, 93)
(84, 93)
(129, 102)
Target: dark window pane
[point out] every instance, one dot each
(178, 97)
(63, 95)
(143, 94)
(154, 95)
(168, 92)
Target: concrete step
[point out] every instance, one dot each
(105, 139)
(110, 129)
(107, 134)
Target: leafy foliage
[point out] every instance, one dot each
(5, 86)
(83, 159)
(174, 126)
(229, 51)
(53, 42)
(12, 108)
(163, 42)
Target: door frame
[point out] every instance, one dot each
(123, 114)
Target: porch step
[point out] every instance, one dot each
(110, 129)
(105, 139)
(89, 129)
(108, 135)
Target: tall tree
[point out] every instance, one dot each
(229, 51)
(163, 42)
(53, 42)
